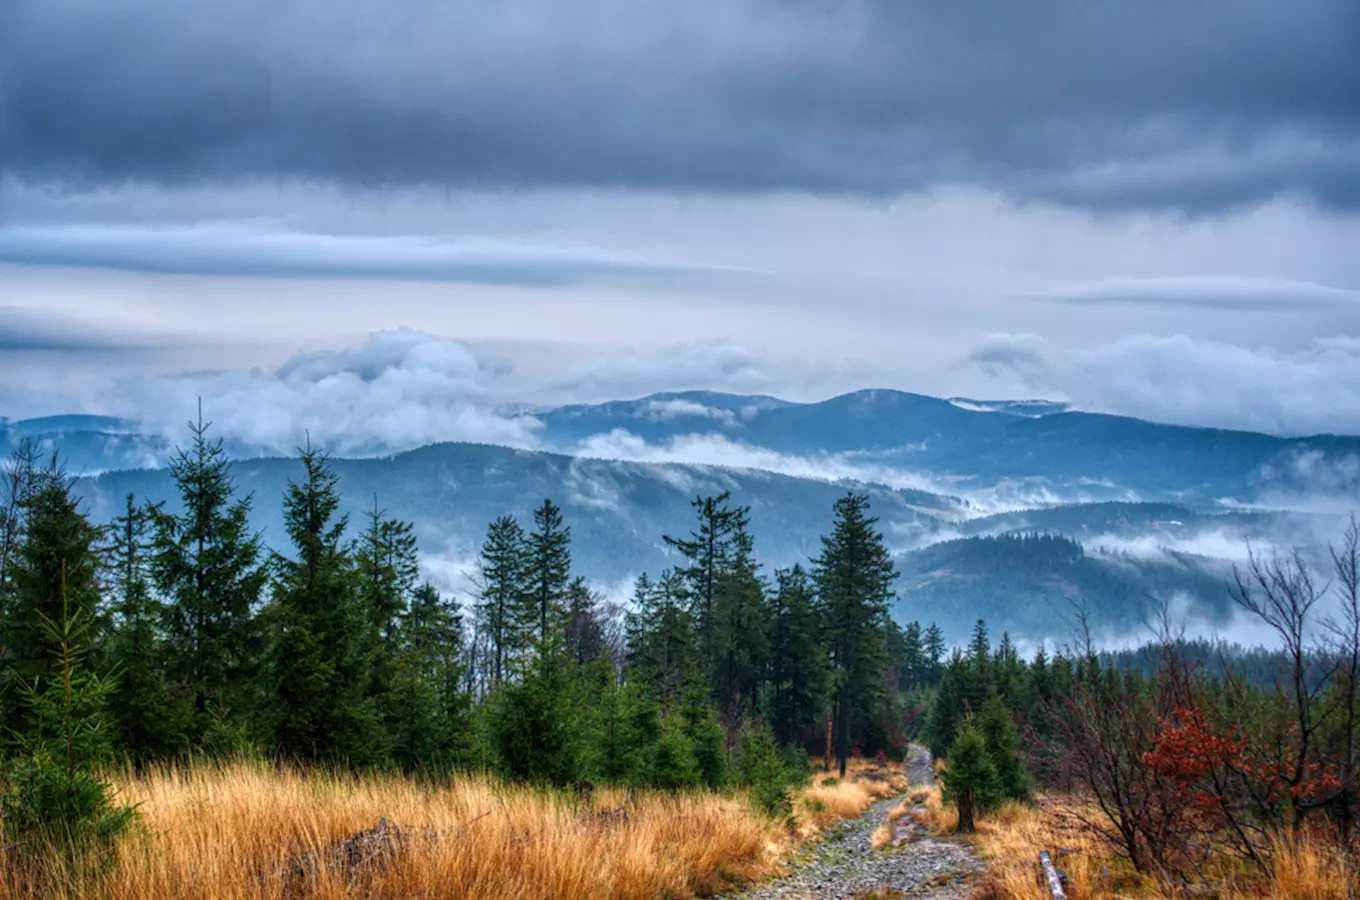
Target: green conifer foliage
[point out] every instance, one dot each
(54, 797)
(207, 566)
(970, 778)
(798, 670)
(1003, 749)
(710, 550)
(543, 612)
(320, 671)
(854, 576)
(503, 573)
(149, 721)
(56, 567)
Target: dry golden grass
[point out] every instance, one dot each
(1009, 841)
(237, 832)
(829, 799)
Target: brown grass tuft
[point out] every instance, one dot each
(246, 831)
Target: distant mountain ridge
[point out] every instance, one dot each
(966, 472)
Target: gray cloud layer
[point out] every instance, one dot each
(1151, 104)
(235, 249)
(1234, 294)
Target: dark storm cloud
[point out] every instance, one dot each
(234, 249)
(1150, 104)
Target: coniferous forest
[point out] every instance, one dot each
(171, 639)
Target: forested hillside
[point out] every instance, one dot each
(1036, 584)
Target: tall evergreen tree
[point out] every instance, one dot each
(54, 797)
(503, 573)
(661, 638)
(148, 720)
(548, 558)
(55, 575)
(386, 564)
(854, 576)
(207, 565)
(709, 551)
(741, 641)
(320, 671)
(18, 478)
(428, 721)
(585, 635)
(798, 673)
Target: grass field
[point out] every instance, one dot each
(247, 831)
(1010, 838)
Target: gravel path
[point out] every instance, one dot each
(842, 864)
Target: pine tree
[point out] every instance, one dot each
(149, 721)
(854, 576)
(56, 567)
(912, 666)
(970, 778)
(935, 649)
(18, 479)
(207, 565)
(548, 559)
(428, 719)
(1003, 749)
(709, 551)
(532, 729)
(386, 564)
(661, 638)
(54, 796)
(798, 672)
(584, 634)
(623, 728)
(741, 644)
(504, 584)
(320, 706)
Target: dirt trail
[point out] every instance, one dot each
(842, 863)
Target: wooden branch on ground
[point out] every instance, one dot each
(1055, 888)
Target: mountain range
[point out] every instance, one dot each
(1148, 511)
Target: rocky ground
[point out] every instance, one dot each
(842, 864)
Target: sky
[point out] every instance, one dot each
(418, 211)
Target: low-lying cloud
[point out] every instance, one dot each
(1184, 381)
(399, 390)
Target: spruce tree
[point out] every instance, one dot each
(548, 559)
(854, 576)
(741, 643)
(585, 629)
(207, 566)
(970, 778)
(54, 797)
(798, 671)
(18, 478)
(149, 721)
(709, 551)
(532, 729)
(935, 648)
(55, 571)
(319, 705)
(503, 576)
(661, 638)
(386, 566)
(429, 721)
(1003, 749)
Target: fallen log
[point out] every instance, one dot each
(1055, 886)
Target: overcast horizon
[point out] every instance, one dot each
(299, 209)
